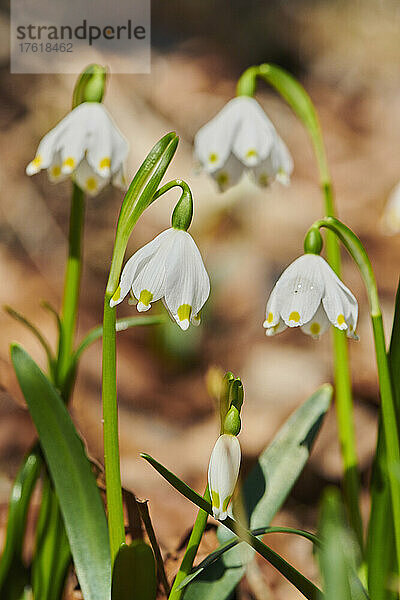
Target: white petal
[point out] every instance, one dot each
(119, 180)
(229, 174)
(339, 303)
(213, 142)
(283, 161)
(278, 328)
(106, 148)
(255, 136)
(89, 181)
(45, 152)
(272, 313)
(318, 324)
(299, 290)
(134, 266)
(278, 165)
(54, 170)
(187, 284)
(391, 213)
(149, 283)
(223, 472)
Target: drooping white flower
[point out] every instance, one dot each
(241, 137)
(169, 267)
(87, 146)
(223, 471)
(310, 295)
(391, 213)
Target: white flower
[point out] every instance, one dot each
(391, 213)
(85, 145)
(223, 472)
(241, 137)
(309, 295)
(169, 267)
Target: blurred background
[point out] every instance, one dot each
(347, 55)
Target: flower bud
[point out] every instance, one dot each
(313, 241)
(232, 423)
(183, 212)
(90, 86)
(223, 472)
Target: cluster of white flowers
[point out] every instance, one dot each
(242, 138)
(86, 146)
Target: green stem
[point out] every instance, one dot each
(72, 283)
(344, 397)
(110, 431)
(388, 409)
(389, 425)
(300, 102)
(191, 550)
(138, 197)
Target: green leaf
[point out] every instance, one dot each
(339, 552)
(264, 492)
(213, 556)
(35, 331)
(121, 325)
(75, 484)
(134, 573)
(304, 585)
(52, 552)
(13, 573)
(381, 548)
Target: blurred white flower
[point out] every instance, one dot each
(241, 137)
(85, 145)
(391, 214)
(223, 472)
(169, 267)
(309, 295)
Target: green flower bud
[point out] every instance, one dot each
(232, 423)
(224, 396)
(183, 211)
(236, 394)
(90, 86)
(313, 241)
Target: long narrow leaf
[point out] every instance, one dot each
(35, 331)
(380, 548)
(121, 325)
(52, 555)
(76, 488)
(339, 553)
(11, 565)
(304, 585)
(211, 558)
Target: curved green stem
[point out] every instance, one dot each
(300, 102)
(191, 550)
(72, 283)
(388, 410)
(138, 197)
